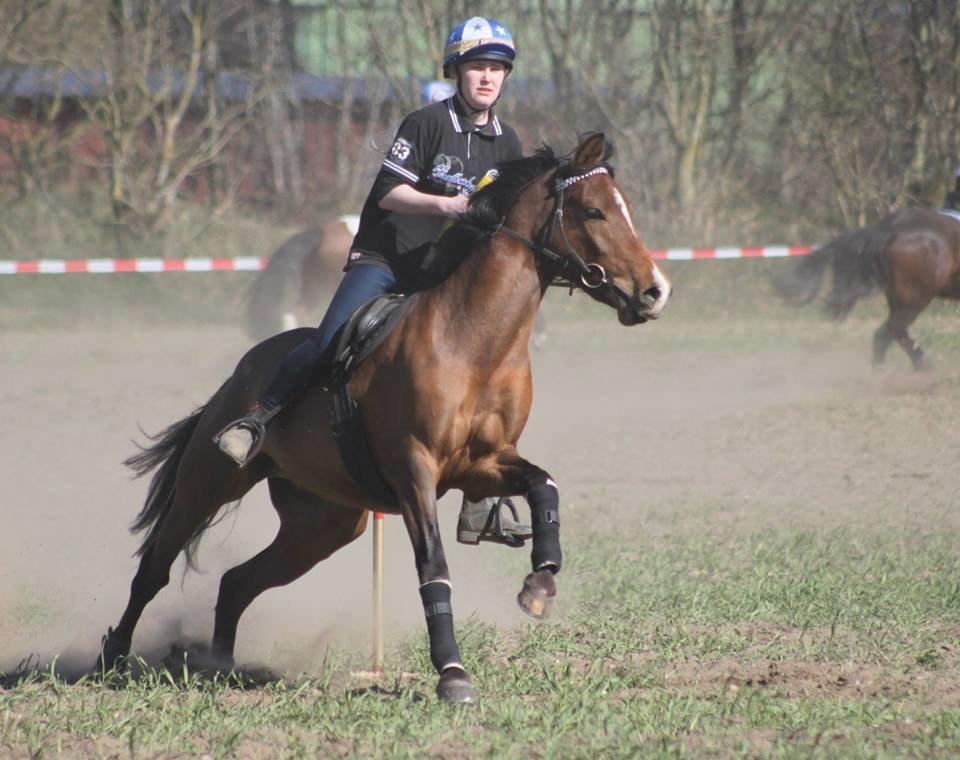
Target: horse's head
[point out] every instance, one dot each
(590, 226)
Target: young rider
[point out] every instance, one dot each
(439, 155)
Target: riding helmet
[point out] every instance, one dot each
(478, 38)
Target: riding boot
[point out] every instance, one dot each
(487, 520)
(242, 439)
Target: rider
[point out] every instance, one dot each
(952, 200)
(438, 156)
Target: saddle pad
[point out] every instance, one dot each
(951, 213)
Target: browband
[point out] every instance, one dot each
(564, 184)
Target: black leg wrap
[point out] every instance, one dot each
(544, 502)
(444, 651)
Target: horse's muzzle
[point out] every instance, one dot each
(644, 306)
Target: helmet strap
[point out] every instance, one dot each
(471, 111)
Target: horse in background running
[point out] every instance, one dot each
(298, 278)
(913, 256)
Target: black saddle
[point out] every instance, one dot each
(365, 330)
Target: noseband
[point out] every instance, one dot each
(570, 268)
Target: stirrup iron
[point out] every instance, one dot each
(231, 439)
(494, 525)
(493, 528)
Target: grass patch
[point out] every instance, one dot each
(796, 644)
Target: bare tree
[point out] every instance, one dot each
(741, 118)
(878, 88)
(160, 125)
(30, 142)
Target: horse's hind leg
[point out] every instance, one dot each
(882, 339)
(191, 509)
(311, 529)
(895, 328)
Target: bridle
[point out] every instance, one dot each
(570, 268)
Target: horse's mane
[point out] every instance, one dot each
(489, 206)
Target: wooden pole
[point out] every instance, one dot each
(378, 592)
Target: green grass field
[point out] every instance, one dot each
(743, 643)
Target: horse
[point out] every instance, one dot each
(443, 400)
(913, 256)
(296, 278)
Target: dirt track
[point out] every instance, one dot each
(642, 428)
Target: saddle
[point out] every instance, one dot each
(364, 331)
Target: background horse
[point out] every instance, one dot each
(443, 399)
(913, 256)
(298, 277)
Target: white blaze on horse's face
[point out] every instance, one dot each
(622, 205)
(660, 281)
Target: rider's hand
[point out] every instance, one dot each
(455, 206)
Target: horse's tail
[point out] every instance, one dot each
(858, 264)
(276, 290)
(164, 456)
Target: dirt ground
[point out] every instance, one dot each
(664, 427)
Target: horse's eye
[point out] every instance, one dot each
(594, 213)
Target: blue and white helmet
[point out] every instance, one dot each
(478, 38)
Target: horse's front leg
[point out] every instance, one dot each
(419, 505)
(508, 474)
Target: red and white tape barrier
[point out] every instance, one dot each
(256, 263)
(113, 266)
(761, 252)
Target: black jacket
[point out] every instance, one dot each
(439, 151)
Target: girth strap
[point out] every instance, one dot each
(347, 426)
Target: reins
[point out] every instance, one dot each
(570, 268)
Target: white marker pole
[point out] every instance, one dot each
(378, 593)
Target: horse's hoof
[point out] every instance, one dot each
(113, 653)
(537, 595)
(455, 688)
(198, 658)
(223, 663)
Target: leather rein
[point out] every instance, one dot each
(570, 268)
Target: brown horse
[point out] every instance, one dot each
(912, 255)
(443, 399)
(299, 273)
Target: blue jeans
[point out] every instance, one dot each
(360, 283)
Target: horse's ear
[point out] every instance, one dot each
(590, 151)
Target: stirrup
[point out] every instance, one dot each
(255, 425)
(493, 529)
